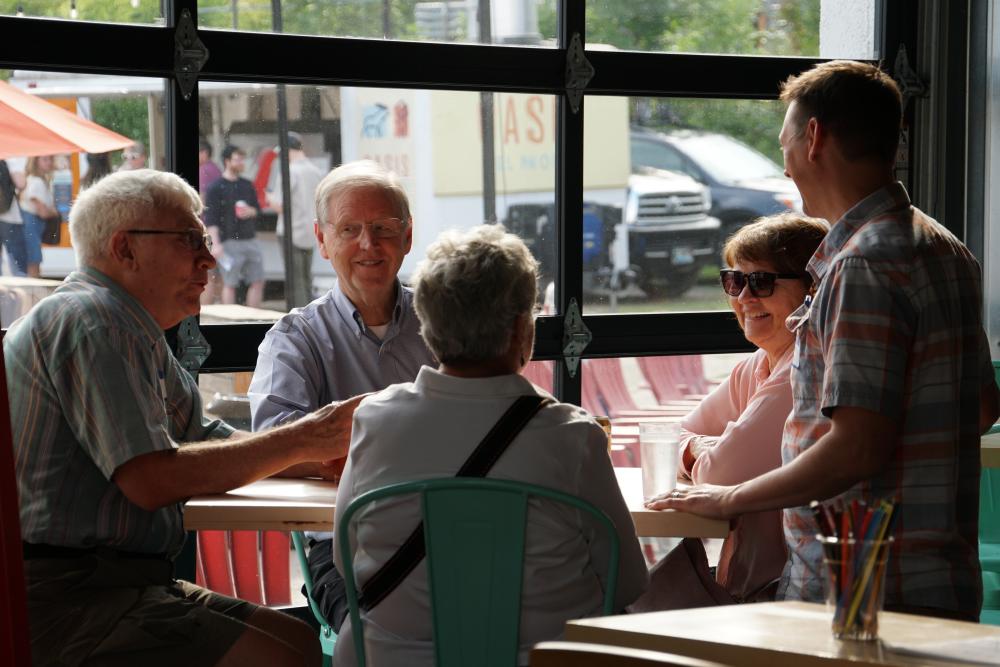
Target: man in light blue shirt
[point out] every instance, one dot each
(362, 336)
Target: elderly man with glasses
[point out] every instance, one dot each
(99, 406)
(361, 336)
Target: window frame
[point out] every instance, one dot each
(247, 56)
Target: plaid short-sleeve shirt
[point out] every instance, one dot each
(92, 385)
(895, 327)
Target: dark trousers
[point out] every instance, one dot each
(328, 589)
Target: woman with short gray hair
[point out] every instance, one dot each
(458, 271)
(474, 295)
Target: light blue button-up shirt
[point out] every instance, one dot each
(324, 352)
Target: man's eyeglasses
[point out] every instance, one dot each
(761, 282)
(384, 228)
(195, 238)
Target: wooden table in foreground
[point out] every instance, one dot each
(773, 634)
(308, 504)
(990, 450)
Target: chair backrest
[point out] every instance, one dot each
(15, 648)
(578, 654)
(474, 531)
(247, 564)
(540, 374)
(996, 376)
(610, 383)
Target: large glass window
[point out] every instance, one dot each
(828, 28)
(473, 21)
(106, 11)
(431, 139)
(696, 171)
(130, 113)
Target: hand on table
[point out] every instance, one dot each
(329, 429)
(706, 500)
(331, 470)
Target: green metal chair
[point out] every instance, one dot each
(474, 533)
(327, 637)
(989, 534)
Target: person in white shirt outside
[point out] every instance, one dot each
(303, 177)
(37, 203)
(133, 157)
(11, 222)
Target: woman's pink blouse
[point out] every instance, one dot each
(741, 421)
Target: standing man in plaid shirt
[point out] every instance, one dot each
(892, 382)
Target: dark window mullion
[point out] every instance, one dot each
(569, 197)
(691, 75)
(52, 44)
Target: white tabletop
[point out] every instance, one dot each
(308, 504)
(773, 634)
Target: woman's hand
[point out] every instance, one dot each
(708, 500)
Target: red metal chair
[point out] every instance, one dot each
(246, 564)
(539, 373)
(674, 378)
(15, 645)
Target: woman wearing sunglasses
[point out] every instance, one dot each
(735, 433)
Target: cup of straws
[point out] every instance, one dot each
(856, 540)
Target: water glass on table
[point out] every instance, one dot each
(659, 444)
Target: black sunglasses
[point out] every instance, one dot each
(196, 239)
(761, 282)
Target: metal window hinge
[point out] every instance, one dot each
(576, 337)
(190, 54)
(579, 72)
(192, 347)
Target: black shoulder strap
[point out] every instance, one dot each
(399, 566)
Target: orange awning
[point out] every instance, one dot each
(30, 125)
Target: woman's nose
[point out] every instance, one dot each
(746, 294)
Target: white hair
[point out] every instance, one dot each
(358, 175)
(470, 289)
(120, 200)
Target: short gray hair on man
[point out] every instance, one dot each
(120, 200)
(469, 290)
(361, 174)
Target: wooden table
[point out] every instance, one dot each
(774, 633)
(308, 504)
(990, 450)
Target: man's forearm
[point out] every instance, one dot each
(161, 478)
(853, 450)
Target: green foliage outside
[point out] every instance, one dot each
(744, 27)
(341, 18)
(125, 115)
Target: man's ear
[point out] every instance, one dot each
(318, 231)
(408, 237)
(121, 250)
(816, 138)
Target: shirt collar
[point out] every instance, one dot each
(141, 317)
(515, 384)
(350, 313)
(892, 197)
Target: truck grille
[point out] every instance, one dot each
(670, 208)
